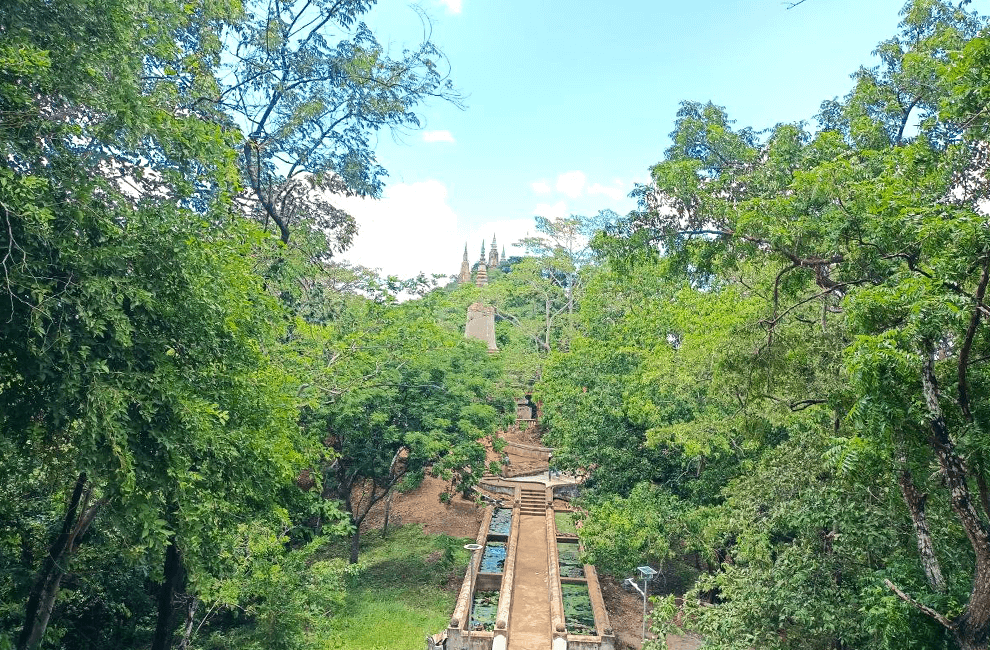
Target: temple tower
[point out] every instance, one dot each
(465, 275)
(493, 254)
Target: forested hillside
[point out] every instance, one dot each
(773, 374)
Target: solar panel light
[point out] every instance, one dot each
(647, 572)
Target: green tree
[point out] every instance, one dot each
(133, 374)
(406, 397)
(880, 227)
(310, 86)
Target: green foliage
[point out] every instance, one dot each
(407, 397)
(565, 523)
(406, 589)
(620, 532)
(278, 597)
(157, 349)
(799, 345)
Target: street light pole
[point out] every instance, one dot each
(647, 574)
(645, 589)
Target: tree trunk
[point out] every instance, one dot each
(916, 501)
(45, 589)
(173, 567)
(547, 303)
(981, 483)
(254, 177)
(388, 512)
(355, 544)
(190, 620)
(45, 605)
(972, 626)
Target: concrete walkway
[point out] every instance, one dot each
(530, 615)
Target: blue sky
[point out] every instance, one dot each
(568, 104)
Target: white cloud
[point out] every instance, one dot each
(410, 229)
(551, 211)
(438, 136)
(615, 192)
(571, 183)
(453, 6)
(541, 187)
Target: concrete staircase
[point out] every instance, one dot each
(529, 618)
(533, 502)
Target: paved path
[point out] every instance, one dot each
(530, 615)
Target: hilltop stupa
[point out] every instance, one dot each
(480, 317)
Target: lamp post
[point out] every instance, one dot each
(647, 573)
(473, 548)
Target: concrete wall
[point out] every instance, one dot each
(528, 451)
(498, 486)
(566, 492)
(581, 642)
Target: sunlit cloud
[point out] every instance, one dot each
(413, 230)
(571, 183)
(551, 211)
(541, 187)
(453, 6)
(402, 232)
(615, 192)
(438, 136)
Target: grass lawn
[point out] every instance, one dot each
(402, 595)
(565, 523)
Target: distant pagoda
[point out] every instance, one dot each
(465, 275)
(480, 317)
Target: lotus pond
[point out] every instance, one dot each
(570, 560)
(493, 560)
(578, 614)
(501, 522)
(484, 609)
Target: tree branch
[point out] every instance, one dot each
(923, 608)
(967, 345)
